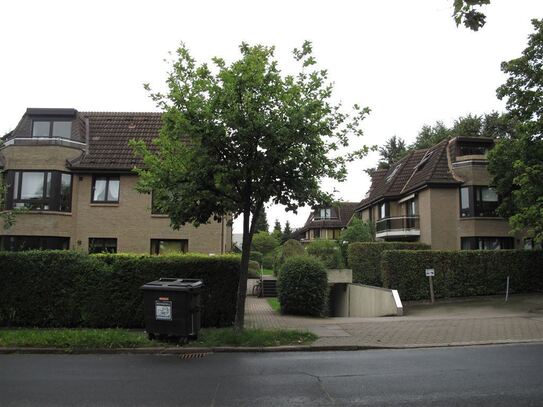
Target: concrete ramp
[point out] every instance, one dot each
(359, 300)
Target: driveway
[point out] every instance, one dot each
(484, 320)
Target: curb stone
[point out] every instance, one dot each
(247, 349)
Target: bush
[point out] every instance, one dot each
(256, 256)
(303, 286)
(71, 289)
(462, 273)
(289, 249)
(327, 251)
(264, 243)
(254, 269)
(365, 259)
(268, 261)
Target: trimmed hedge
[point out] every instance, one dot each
(365, 259)
(289, 249)
(71, 289)
(303, 286)
(462, 273)
(327, 251)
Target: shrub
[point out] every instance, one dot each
(327, 251)
(290, 248)
(303, 286)
(358, 231)
(365, 259)
(69, 289)
(256, 256)
(462, 273)
(264, 243)
(268, 260)
(254, 269)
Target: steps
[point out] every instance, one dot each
(269, 287)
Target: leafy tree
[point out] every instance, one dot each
(467, 12)
(516, 162)
(392, 151)
(264, 243)
(262, 222)
(276, 233)
(287, 232)
(237, 136)
(357, 231)
(430, 135)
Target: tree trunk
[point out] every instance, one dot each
(244, 271)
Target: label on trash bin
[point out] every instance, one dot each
(163, 310)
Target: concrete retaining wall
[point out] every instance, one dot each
(358, 300)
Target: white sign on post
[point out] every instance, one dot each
(430, 273)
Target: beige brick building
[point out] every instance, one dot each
(440, 196)
(73, 172)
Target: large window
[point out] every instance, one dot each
(105, 189)
(39, 190)
(20, 243)
(384, 210)
(169, 246)
(470, 148)
(51, 128)
(487, 243)
(478, 201)
(102, 245)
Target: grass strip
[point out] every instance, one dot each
(121, 338)
(274, 303)
(73, 338)
(253, 337)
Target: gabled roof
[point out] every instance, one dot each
(109, 135)
(417, 169)
(343, 211)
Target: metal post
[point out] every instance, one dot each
(431, 289)
(507, 290)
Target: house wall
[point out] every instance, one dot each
(38, 158)
(425, 218)
(444, 207)
(130, 221)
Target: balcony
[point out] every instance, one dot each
(398, 227)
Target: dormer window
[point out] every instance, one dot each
(51, 129)
(326, 213)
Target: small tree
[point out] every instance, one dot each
(276, 233)
(237, 136)
(287, 233)
(262, 222)
(264, 243)
(357, 231)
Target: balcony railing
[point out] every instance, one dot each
(398, 226)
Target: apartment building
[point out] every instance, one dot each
(327, 222)
(440, 196)
(73, 172)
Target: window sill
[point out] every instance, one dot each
(108, 204)
(481, 218)
(40, 212)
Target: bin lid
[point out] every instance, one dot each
(174, 284)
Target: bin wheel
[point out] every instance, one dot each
(150, 336)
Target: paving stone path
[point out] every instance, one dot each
(402, 331)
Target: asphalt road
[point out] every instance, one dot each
(491, 376)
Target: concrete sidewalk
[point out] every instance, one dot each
(479, 321)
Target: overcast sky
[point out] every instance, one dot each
(406, 60)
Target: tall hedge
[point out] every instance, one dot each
(462, 273)
(70, 289)
(365, 259)
(327, 251)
